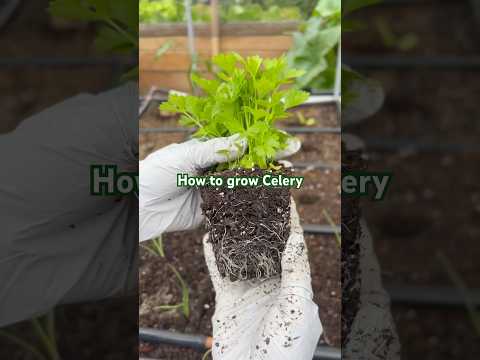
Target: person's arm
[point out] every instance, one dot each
(58, 242)
(164, 206)
(271, 319)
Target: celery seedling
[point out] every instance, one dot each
(247, 97)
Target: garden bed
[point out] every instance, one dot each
(172, 68)
(433, 209)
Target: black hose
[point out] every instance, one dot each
(327, 353)
(419, 145)
(321, 229)
(434, 62)
(197, 342)
(430, 295)
(154, 336)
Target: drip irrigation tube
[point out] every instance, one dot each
(160, 95)
(314, 166)
(202, 343)
(430, 295)
(321, 229)
(290, 129)
(418, 145)
(154, 336)
(434, 62)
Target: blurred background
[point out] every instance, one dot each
(45, 60)
(424, 54)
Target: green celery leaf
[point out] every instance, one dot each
(294, 98)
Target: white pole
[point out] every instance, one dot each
(191, 34)
(337, 92)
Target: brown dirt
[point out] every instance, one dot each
(184, 250)
(235, 216)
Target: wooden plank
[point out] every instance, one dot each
(169, 80)
(228, 43)
(182, 61)
(230, 29)
(215, 27)
(164, 79)
(178, 62)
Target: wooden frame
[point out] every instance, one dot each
(172, 68)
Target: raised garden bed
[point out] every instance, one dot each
(172, 68)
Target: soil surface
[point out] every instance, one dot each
(317, 201)
(249, 226)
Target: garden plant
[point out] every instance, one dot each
(315, 47)
(156, 249)
(118, 24)
(248, 226)
(160, 11)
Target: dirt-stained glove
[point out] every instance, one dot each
(164, 207)
(271, 319)
(373, 335)
(58, 243)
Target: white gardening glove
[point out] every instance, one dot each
(271, 319)
(163, 206)
(373, 335)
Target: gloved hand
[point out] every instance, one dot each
(163, 206)
(59, 244)
(373, 335)
(272, 319)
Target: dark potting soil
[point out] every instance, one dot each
(351, 160)
(248, 226)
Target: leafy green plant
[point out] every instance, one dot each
(304, 121)
(246, 97)
(391, 40)
(118, 20)
(349, 76)
(156, 247)
(185, 304)
(463, 290)
(315, 46)
(45, 330)
(338, 236)
(158, 11)
(256, 12)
